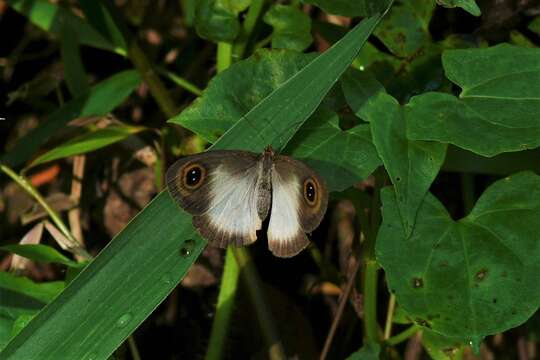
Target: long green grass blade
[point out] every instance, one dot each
(136, 271)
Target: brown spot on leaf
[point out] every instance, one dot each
(417, 283)
(423, 322)
(481, 275)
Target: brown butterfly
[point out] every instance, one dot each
(230, 193)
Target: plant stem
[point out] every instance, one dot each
(251, 19)
(224, 56)
(256, 293)
(180, 81)
(156, 87)
(371, 326)
(370, 301)
(389, 317)
(55, 217)
(402, 336)
(224, 308)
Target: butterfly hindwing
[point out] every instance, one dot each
(299, 201)
(220, 189)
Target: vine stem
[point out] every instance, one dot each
(402, 336)
(389, 317)
(76, 247)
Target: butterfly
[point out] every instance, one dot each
(230, 193)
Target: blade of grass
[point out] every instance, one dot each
(101, 99)
(91, 141)
(51, 18)
(144, 262)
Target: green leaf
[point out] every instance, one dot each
(534, 25)
(351, 8)
(467, 5)
(41, 253)
(468, 278)
(144, 262)
(99, 17)
(343, 158)
(411, 165)
(359, 87)
(53, 18)
(292, 101)
(233, 92)
(494, 113)
(441, 347)
(369, 351)
(217, 20)
(74, 72)
(42, 292)
(88, 142)
(405, 29)
(6, 324)
(101, 99)
(292, 27)
(20, 323)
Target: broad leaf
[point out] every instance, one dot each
(292, 27)
(351, 8)
(405, 29)
(232, 93)
(494, 113)
(217, 20)
(342, 157)
(467, 5)
(468, 278)
(412, 165)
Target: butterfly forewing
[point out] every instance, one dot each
(219, 189)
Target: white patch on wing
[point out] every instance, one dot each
(284, 223)
(233, 204)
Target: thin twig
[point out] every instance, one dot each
(389, 317)
(341, 308)
(74, 214)
(75, 247)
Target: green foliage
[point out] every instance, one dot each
(468, 278)
(369, 351)
(467, 5)
(494, 113)
(41, 253)
(292, 27)
(407, 105)
(88, 142)
(411, 165)
(217, 20)
(351, 8)
(405, 30)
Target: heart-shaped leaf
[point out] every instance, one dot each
(468, 278)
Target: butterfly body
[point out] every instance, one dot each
(230, 193)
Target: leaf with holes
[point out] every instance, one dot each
(468, 278)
